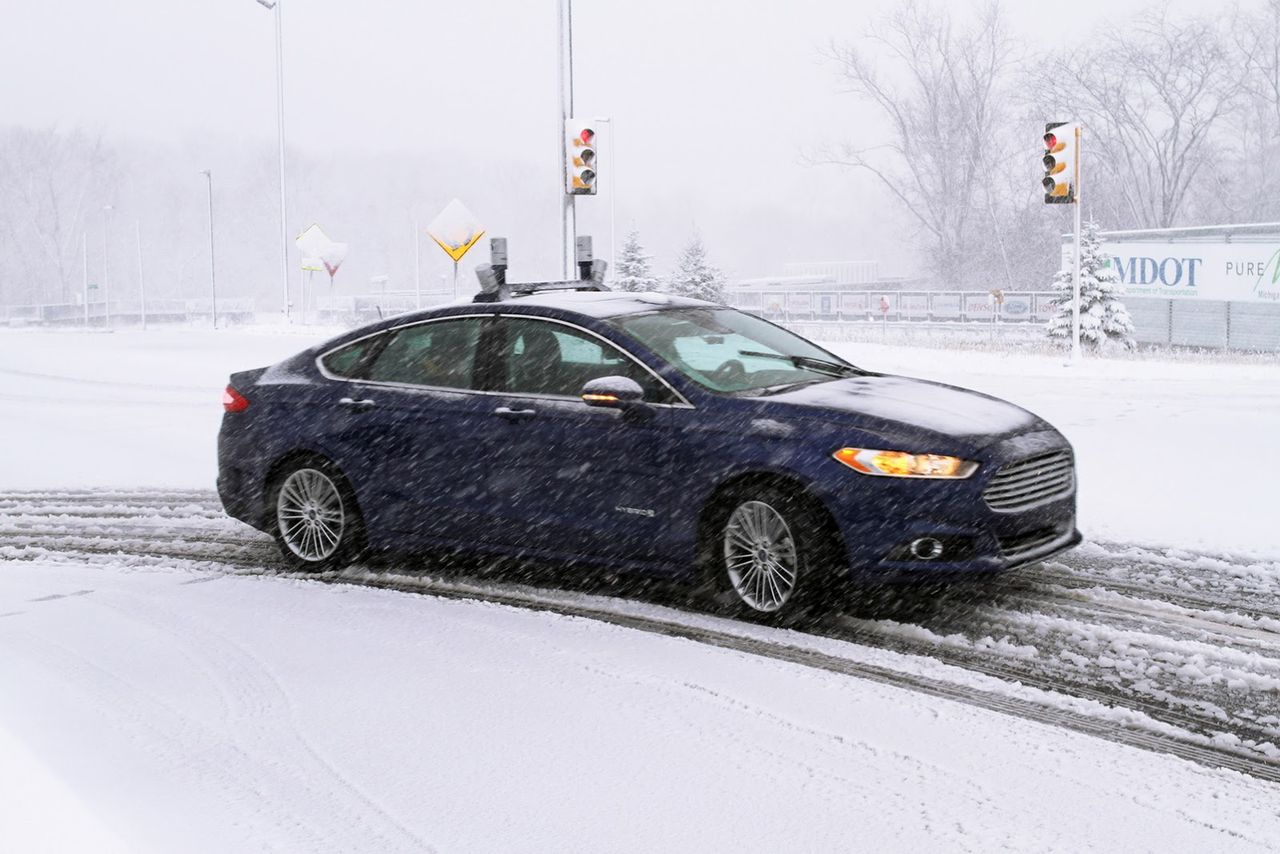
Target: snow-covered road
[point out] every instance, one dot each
(1149, 663)
(200, 711)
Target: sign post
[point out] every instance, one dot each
(318, 253)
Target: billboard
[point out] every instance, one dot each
(1239, 272)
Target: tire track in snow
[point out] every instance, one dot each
(214, 544)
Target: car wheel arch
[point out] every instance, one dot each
(717, 504)
(293, 458)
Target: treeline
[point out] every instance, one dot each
(1181, 115)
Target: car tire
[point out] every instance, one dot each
(768, 555)
(315, 518)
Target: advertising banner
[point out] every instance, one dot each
(945, 306)
(914, 305)
(774, 304)
(1243, 272)
(1016, 306)
(853, 303)
(1045, 308)
(978, 305)
(800, 302)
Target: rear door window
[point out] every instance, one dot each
(441, 354)
(346, 361)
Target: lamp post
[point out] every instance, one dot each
(106, 282)
(142, 282)
(213, 278)
(274, 6)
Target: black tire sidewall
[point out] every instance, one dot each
(351, 543)
(811, 541)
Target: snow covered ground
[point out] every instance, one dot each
(154, 704)
(172, 710)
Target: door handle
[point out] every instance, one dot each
(514, 414)
(357, 405)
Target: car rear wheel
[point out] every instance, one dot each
(770, 547)
(318, 527)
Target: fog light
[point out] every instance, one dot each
(926, 548)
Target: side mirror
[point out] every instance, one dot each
(612, 392)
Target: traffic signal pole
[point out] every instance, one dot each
(568, 217)
(1075, 276)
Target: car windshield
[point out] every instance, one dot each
(731, 352)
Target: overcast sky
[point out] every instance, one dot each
(714, 101)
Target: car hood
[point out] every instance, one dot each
(882, 401)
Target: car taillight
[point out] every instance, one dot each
(234, 401)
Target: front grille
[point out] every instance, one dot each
(1021, 544)
(1026, 483)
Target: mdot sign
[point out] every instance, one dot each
(1236, 272)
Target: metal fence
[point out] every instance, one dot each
(1207, 324)
(959, 306)
(128, 312)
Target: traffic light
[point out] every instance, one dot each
(580, 158)
(1060, 162)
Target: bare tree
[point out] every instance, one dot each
(1244, 183)
(940, 89)
(1152, 95)
(49, 180)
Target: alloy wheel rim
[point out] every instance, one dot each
(760, 556)
(310, 514)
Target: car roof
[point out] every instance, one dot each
(598, 305)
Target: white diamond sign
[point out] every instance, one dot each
(312, 243)
(455, 230)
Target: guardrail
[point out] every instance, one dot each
(1027, 307)
(128, 312)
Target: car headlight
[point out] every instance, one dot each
(903, 464)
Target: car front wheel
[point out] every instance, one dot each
(769, 549)
(318, 527)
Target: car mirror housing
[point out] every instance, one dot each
(612, 392)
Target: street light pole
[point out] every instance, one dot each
(106, 286)
(564, 65)
(417, 266)
(142, 283)
(275, 7)
(84, 246)
(213, 279)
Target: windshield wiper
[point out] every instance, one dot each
(822, 366)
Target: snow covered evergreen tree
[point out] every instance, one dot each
(1103, 318)
(634, 272)
(695, 277)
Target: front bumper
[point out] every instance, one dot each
(880, 518)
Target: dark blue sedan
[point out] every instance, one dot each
(644, 432)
